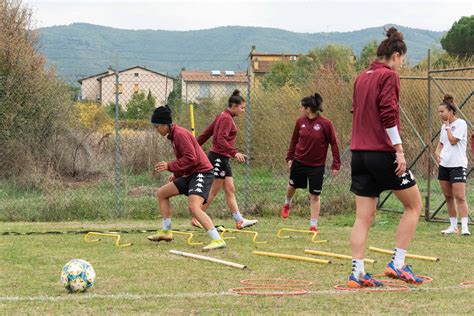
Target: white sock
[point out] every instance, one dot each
(464, 221)
(399, 257)
(288, 200)
(454, 221)
(358, 269)
(313, 222)
(166, 223)
(214, 234)
(237, 217)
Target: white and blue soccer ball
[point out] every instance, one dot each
(77, 275)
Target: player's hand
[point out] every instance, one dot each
(334, 172)
(438, 158)
(171, 178)
(240, 157)
(290, 163)
(161, 166)
(401, 165)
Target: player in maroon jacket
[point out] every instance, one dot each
(191, 175)
(378, 161)
(307, 154)
(224, 131)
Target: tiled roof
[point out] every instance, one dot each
(207, 76)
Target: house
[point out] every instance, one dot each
(101, 87)
(198, 86)
(261, 63)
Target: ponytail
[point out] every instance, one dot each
(235, 98)
(313, 102)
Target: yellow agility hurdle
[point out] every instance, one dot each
(114, 235)
(291, 257)
(390, 252)
(313, 239)
(334, 255)
(254, 239)
(190, 237)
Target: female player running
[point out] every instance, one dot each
(307, 153)
(378, 161)
(192, 176)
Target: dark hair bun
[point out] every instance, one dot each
(318, 98)
(448, 98)
(393, 34)
(236, 92)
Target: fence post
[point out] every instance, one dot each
(429, 142)
(118, 204)
(248, 198)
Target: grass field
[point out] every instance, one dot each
(145, 278)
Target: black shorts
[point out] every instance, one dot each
(195, 184)
(301, 174)
(374, 172)
(221, 165)
(453, 175)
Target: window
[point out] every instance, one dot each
(136, 74)
(204, 90)
(229, 88)
(136, 88)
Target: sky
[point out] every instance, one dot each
(293, 15)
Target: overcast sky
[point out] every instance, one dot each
(294, 15)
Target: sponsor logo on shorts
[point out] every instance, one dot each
(292, 182)
(222, 173)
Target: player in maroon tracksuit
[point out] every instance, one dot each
(307, 154)
(378, 161)
(191, 175)
(224, 131)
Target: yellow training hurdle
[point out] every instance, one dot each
(114, 235)
(254, 239)
(190, 237)
(390, 252)
(291, 257)
(313, 238)
(334, 255)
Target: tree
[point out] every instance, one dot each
(140, 107)
(338, 58)
(279, 75)
(459, 41)
(367, 55)
(35, 106)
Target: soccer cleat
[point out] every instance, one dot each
(405, 274)
(215, 244)
(366, 281)
(245, 223)
(314, 229)
(450, 231)
(162, 235)
(195, 223)
(465, 232)
(285, 210)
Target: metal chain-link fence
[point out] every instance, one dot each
(105, 160)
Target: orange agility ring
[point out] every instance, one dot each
(268, 291)
(387, 287)
(467, 284)
(426, 279)
(276, 282)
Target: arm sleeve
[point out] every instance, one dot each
(184, 145)
(336, 159)
(388, 106)
(222, 134)
(460, 131)
(293, 142)
(201, 139)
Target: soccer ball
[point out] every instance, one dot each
(77, 275)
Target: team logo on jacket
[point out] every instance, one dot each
(317, 127)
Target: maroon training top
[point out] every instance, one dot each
(224, 130)
(375, 108)
(310, 141)
(190, 158)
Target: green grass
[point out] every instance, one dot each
(145, 278)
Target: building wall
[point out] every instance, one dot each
(130, 83)
(198, 91)
(90, 89)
